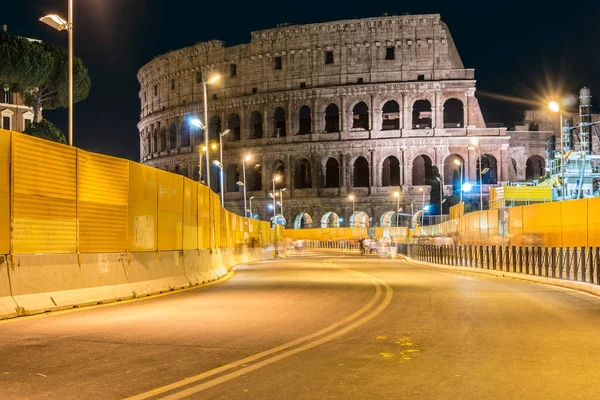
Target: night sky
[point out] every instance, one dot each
(521, 49)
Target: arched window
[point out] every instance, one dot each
(177, 169)
(390, 174)
(422, 170)
(162, 145)
(196, 176)
(233, 124)
(332, 173)
(302, 174)
(514, 166)
(390, 116)
(184, 172)
(452, 169)
(256, 125)
(232, 177)
(304, 120)
(214, 128)
(332, 118)
(453, 114)
(421, 115)
(279, 169)
(279, 122)
(254, 176)
(360, 116)
(535, 168)
(155, 141)
(184, 134)
(303, 221)
(330, 220)
(489, 169)
(197, 133)
(361, 172)
(172, 137)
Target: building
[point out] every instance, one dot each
(15, 115)
(366, 107)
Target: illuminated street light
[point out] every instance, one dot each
(276, 178)
(352, 199)
(475, 142)
(60, 24)
(467, 187)
(213, 79)
(244, 159)
(457, 162)
(221, 135)
(397, 196)
(250, 209)
(555, 107)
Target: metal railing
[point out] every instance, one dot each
(579, 264)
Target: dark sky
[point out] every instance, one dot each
(518, 48)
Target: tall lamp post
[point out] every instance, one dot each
(250, 209)
(441, 194)
(60, 24)
(225, 132)
(555, 107)
(457, 162)
(281, 190)
(397, 196)
(276, 178)
(244, 159)
(475, 142)
(212, 80)
(352, 199)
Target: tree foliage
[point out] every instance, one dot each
(46, 130)
(40, 72)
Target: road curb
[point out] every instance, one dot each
(580, 286)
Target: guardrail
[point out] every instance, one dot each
(578, 264)
(325, 244)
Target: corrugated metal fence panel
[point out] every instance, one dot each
(203, 217)
(45, 193)
(574, 223)
(515, 225)
(4, 191)
(170, 211)
(142, 231)
(102, 183)
(594, 222)
(215, 218)
(190, 214)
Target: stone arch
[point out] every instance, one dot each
(422, 170)
(388, 219)
(162, 139)
(232, 175)
(452, 170)
(172, 136)
(177, 169)
(535, 167)
(254, 176)
(361, 172)
(454, 116)
(279, 169)
(490, 177)
(330, 220)
(304, 120)
(184, 172)
(279, 122)
(256, 125)
(302, 174)
(390, 117)
(332, 173)
(303, 220)
(359, 219)
(514, 166)
(421, 114)
(360, 116)
(214, 128)
(184, 134)
(390, 172)
(155, 141)
(233, 124)
(332, 118)
(196, 175)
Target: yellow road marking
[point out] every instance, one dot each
(306, 346)
(223, 279)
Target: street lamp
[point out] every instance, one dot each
(457, 162)
(60, 24)
(352, 199)
(441, 194)
(212, 80)
(225, 132)
(281, 198)
(276, 178)
(475, 142)
(397, 196)
(251, 198)
(244, 159)
(423, 202)
(555, 107)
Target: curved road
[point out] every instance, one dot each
(318, 326)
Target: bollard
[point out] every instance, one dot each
(527, 260)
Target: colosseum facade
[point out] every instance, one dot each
(364, 107)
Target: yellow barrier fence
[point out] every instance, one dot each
(55, 199)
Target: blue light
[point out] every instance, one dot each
(341, 220)
(466, 187)
(426, 208)
(270, 206)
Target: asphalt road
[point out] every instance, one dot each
(317, 327)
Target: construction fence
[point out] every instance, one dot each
(56, 199)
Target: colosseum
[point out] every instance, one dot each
(348, 109)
